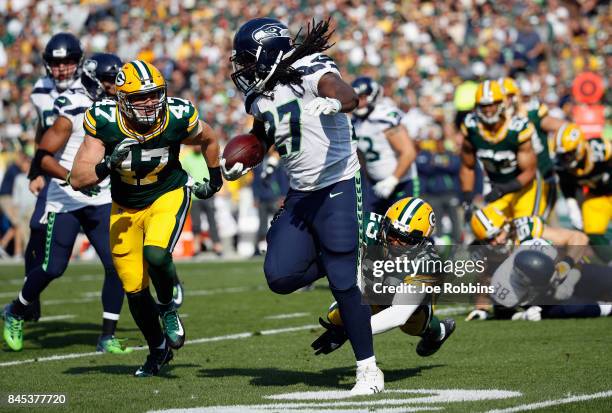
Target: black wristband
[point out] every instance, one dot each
(35, 167)
(102, 171)
(512, 186)
(215, 177)
(467, 196)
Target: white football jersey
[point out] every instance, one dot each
(72, 105)
(509, 290)
(380, 157)
(43, 96)
(315, 151)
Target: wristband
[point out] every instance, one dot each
(216, 180)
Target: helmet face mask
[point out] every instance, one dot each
(369, 89)
(570, 146)
(99, 73)
(144, 108)
(490, 114)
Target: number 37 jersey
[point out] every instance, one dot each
(316, 151)
(152, 167)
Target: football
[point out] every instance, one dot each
(246, 149)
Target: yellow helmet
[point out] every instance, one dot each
(138, 82)
(487, 222)
(490, 93)
(512, 92)
(409, 220)
(570, 145)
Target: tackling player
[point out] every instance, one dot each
(503, 145)
(389, 153)
(62, 58)
(587, 164)
(137, 141)
(300, 105)
(66, 210)
(407, 224)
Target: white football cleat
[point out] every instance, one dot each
(370, 380)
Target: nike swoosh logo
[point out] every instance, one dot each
(181, 332)
(179, 296)
(334, 195)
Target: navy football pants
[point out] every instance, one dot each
(317, 234)
(61, 232)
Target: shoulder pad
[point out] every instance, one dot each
(100, 114)
(183, 110)
(311, 64)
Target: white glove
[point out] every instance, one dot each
(235, 172)
(477, 315)
(326, 106)
(574, 213)
(533, 313)
(384, 189)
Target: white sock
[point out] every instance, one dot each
(366, 362)
(605, 309)
(23, 300)
(162, 345)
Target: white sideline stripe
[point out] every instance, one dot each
(456, 309)
(9, 295)
(95, 295)
(196, 341)
(284, 316)
(547, 403)
(56, 317)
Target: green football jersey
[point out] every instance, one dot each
(535, 113)
(152, 168)
(498, 152)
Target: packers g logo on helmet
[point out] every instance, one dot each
(409, 220)
(487, 222)
(141, 92)
(490, 93)
(570, 145)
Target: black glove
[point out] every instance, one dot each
(332, 339)
(209, 187)
(466, 203)
(499, 190)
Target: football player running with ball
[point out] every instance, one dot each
(137, 142)
(300, 105)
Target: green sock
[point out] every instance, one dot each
(434, 329)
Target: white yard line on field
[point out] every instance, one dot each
(196, 341)
(56, 317)
(285, 316)
(548, 403)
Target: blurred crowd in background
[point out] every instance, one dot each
(427, 55)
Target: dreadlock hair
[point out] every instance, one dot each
(316, 41)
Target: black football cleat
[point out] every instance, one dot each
(430, 345)
(155, 361)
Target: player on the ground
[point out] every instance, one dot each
(300, 105)
(544, 123)
(408, 226)
(503, 145)
(136, 140)
(492, 228)
(587, 164)
(67, 210)
(62, 58)
(389, 153)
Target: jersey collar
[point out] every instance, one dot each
(124, 128)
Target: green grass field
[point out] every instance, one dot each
(241, 351)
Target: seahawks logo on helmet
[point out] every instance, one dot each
(269, 30)
(120, 79)
(90, 66)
